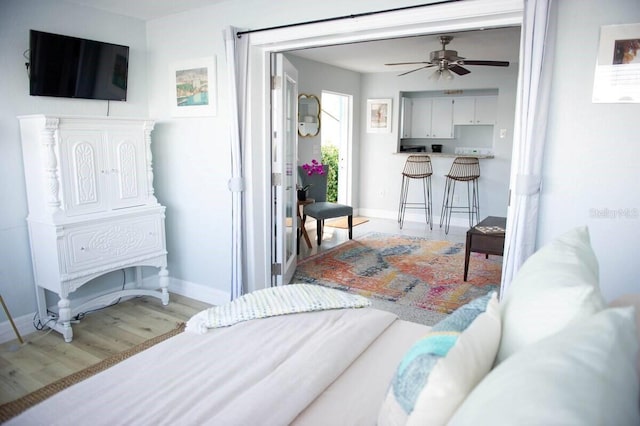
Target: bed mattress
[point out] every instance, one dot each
(312, 368)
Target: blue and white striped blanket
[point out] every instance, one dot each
(288, 299)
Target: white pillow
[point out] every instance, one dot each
(556, 286)
(583, 375)
(440, 370)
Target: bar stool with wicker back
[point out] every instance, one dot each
(416, 167)
(463, 169)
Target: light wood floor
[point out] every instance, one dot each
(45, 357)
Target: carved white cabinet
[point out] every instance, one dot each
(92, 208)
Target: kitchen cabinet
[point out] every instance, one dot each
(475, 110)
(430, 118)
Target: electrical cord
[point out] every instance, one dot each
(81, 315)
(27, 64)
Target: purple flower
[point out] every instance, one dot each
(313, 168)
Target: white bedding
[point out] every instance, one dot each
(258, 372)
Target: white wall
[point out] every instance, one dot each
(381, 167)
(592, 150)
(17, 17)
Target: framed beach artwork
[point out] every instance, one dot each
(193, 88)
(617, 76)
(378, 115)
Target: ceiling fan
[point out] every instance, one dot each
(448, 62)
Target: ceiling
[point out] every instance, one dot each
(145, 9)
(501, 44)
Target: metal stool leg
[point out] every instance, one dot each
(416, 167)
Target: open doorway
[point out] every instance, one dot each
(336, 139)
(436, 19)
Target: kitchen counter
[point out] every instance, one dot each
(445, 154)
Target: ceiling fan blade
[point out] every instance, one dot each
(417, 69)
(408, 63)
(458, 69)
(490, 63)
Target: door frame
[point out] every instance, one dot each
(449, 17)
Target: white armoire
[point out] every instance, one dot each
(92, 208)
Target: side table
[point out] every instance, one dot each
(486, 237)
(303, 230)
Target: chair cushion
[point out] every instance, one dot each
(324, 210)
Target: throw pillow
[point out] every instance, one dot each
(556, 286)
(440, 370)
(583, 375)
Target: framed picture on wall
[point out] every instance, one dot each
(193, 88)
(378, 115)
(617, 76)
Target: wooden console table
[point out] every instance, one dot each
(486, 237)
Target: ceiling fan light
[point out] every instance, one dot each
(448, 75)
(435, 76)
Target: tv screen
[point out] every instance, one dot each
(73, 67)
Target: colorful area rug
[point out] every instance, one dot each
(410, 271)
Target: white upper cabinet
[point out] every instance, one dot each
(405, 118)
(102, 170)
(475, 110)
(430, 118)
(442, 118)
(87, 166)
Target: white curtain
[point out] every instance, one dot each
(237, 54)
(536, 53)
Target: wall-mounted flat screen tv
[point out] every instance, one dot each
(73, 67)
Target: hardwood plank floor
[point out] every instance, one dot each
(45, 357)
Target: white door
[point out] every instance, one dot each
(284, 204)
(442, 118)
(127, 172)
(85, 170)
(336, 119)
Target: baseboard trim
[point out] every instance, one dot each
(200, 292)
(195, 291)
(462, 222)
(24, 324)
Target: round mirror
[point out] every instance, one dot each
(308, 115)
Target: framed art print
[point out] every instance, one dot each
(193, 88)
(378, 115)
(617, 76)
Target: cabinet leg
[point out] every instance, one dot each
(64, 318)
(164, 285)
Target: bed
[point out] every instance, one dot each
(242, 375)
(550, 352)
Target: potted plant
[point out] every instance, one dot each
(302, 191)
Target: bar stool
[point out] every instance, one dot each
(416, 167)
(463, 169)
